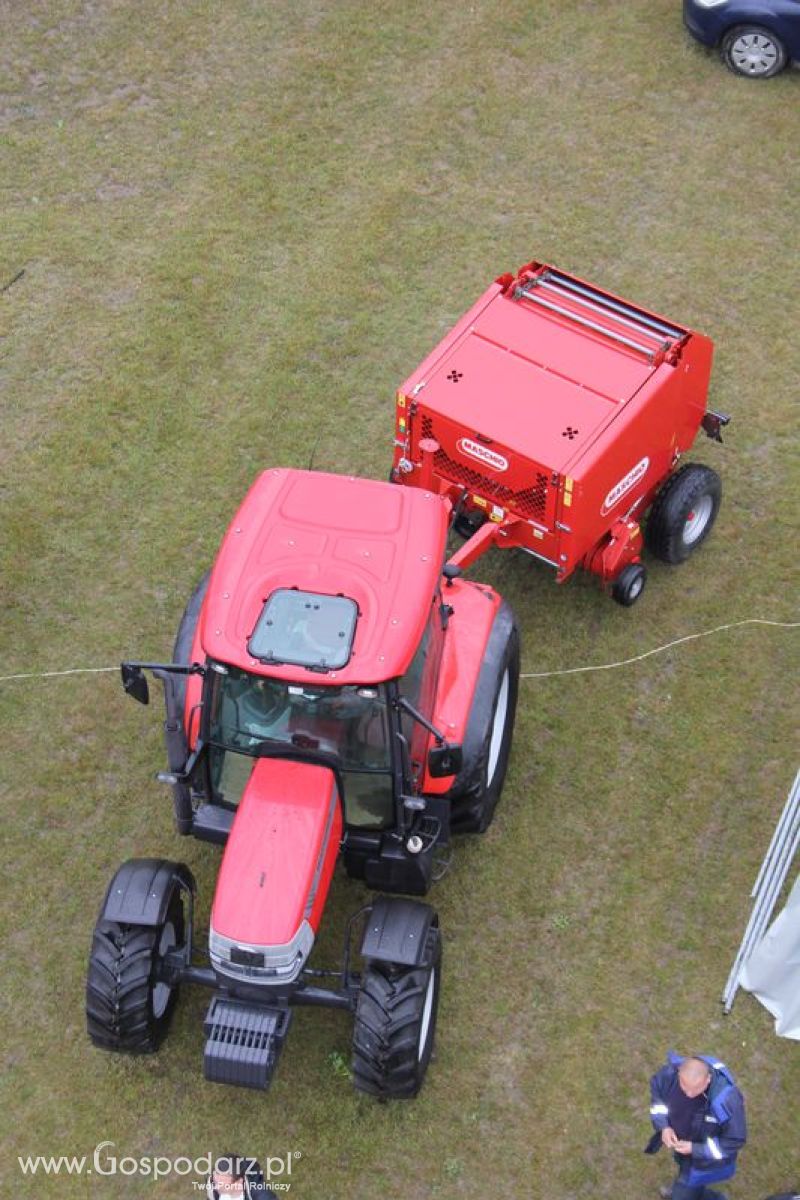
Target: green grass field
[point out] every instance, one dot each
(241, 226)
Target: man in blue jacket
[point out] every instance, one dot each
(698, 1113)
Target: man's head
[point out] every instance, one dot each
(228, 1177)
(694, 1077)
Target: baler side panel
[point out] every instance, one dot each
(620, 472)
(474, 609)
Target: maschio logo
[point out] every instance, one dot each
(625, 484)
(488, 457)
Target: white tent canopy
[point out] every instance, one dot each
(772, 971)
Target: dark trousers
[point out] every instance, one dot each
(681, 1190)
(686, 1191)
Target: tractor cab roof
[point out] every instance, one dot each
(313, 558)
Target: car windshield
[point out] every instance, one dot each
(348, 722)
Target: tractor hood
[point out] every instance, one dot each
(275, 872)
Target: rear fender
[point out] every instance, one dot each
(397, 932)
(140, 892)
(474, 621)
(480, 713)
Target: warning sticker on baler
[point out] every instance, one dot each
(624, 486)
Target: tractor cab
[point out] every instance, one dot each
(319, 638)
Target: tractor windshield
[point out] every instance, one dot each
(346, 722)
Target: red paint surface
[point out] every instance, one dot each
(378, 544)
(564, 413)
(474, 609)
(272, 853)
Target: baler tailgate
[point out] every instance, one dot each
(594, 310)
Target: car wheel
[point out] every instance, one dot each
(753, 51)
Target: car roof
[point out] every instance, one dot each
(379, 544)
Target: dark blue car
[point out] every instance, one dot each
(755, 37)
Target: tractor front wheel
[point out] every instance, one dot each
(683, 513)
(395, 1023)
(128, 1005)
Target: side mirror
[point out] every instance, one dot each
(134, 682)
(445, 760)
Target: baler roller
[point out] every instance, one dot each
(622, 314)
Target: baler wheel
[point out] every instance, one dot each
(683, 513)
(395, 1024)
(128, 1008)
(629, 584)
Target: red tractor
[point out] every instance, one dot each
(336, 688)
(554, 416)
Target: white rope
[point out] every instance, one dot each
(623, 662)
(53, 674)
(690, 637)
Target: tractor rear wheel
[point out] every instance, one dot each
(395, 1023)
(475, 794)
(683, 513)
(128, 1005)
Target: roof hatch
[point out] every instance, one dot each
(306, 629)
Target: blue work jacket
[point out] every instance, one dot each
(713, 1157)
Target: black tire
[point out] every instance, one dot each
(127, 1008)
(683, 513)
(182, 650)
(487, 744)
(753, 51)
(629, 584)
(395, 1025)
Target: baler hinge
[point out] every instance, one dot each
(713, 423)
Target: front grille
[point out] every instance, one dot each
(530, 502)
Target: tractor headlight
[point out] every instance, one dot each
(710, 3)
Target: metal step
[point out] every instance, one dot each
(244, 1042)
(212, 823)
(655, 336)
